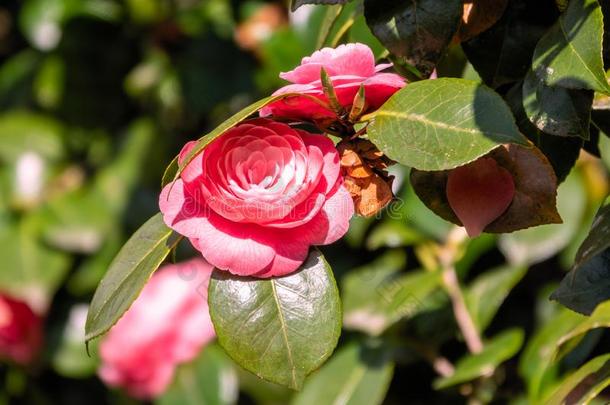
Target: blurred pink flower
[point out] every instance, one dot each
(258, 197)
(167, 325)
(20, 331)
(348, 66)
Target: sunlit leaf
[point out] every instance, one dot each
(280, 329)
(441, 124)
(585, 384)
(486, 293)
(570, 53)
(499, 349)
(377, 295)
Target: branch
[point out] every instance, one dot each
(447, 257)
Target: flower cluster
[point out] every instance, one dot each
(252, 202)
(256, 198)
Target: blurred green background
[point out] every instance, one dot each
(97, 97)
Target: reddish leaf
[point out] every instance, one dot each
(534, 201)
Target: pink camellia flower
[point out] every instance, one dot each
(20, 331)
(258, 197)
(167, 325)
(348, 66)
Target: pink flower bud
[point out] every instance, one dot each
(348, 66)
(479, 193)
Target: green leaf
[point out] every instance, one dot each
(294, 4)
(280, 329)
(330, 18)
(487, 292)
(16, 73)
(570, 53)
(130, 270)
(441, 124)
(29, 265)
(209, 380)
(534, 245)
(355, 375)
(499, 349)
(377, 295)
(585, 384)
(557, 110)
(562, 152)
(600, 318)
(22, 132)
(416, 31)
(535, 362)
(588, 283)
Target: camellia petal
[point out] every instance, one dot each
(479, 193)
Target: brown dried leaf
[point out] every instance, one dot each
(370, 194)
(359, 172)
(365, 179)
(535, 190)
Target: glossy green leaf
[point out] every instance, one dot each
(537, 244)
(535, 362)
(584, 385)
(503, 53)
(378, 295)
(486, 293)
(441, 124)
(416, 31)
(356, 375)
(499, 349)
(280, 329)
(570, 53)
(557, 110)
(588, 283)
(130, 270)
(211, 379)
